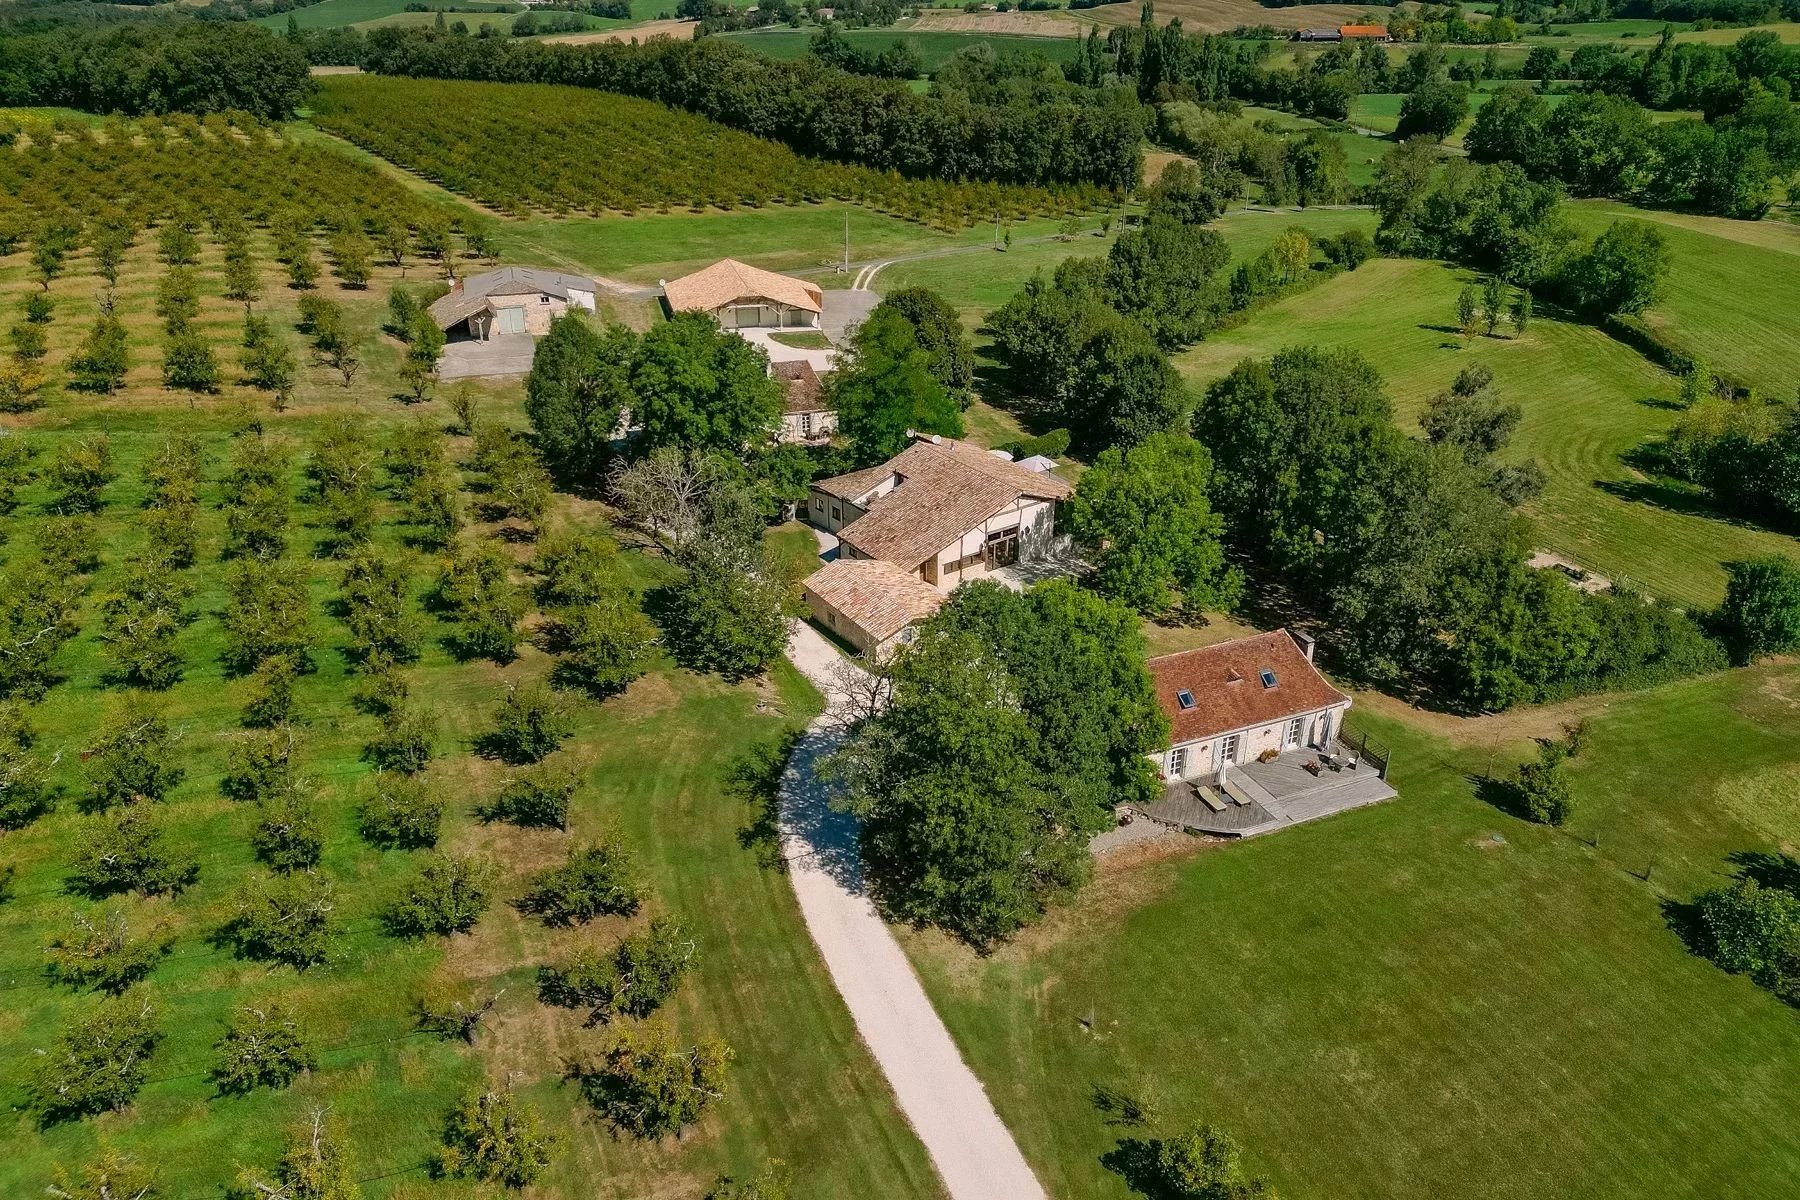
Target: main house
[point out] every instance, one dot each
(740, 296)
(1257, 739)
(511, 300)
(943, 510)
(910, 530)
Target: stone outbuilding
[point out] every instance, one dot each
(806, 415)
(510, 300)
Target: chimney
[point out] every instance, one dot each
(1305, 641)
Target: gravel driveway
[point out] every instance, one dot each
(973, 1152)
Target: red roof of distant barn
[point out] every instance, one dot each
(1368, 31)
(1226, 683)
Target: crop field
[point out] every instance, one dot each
(1220, 16)
(934, 48)
(1427, 998)
(1729, 297)
(329, 14)
(653, 765)
(616, 153)
(1588, 403)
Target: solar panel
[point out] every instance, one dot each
(1185, 697)
(1268, 678)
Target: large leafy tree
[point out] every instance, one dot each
(1162, 275)
(1761, 613)
(580, 383)
(1144, 517)
(958, 826)
(1125, 389)
(887, 387)
(698, 387)
(1077, 660)
(940, 333)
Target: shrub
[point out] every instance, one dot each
(1754, 930)
(285, 919)
(26, 792)
(99, 952)
(378, 607)
(406, 741)
(80, 471)
(535, 796)
(493, 1136)
(1543, 785)
(1761, 613)
(271, 700)
(122, 851)
(1202, 1164)
(189, 363)
(406, 811)
(448, 896)
(133, 758)
(634, 980)
(267, 614)
(1349, 250)
(287, 835)
(316, 1166)
(38, 606)
(263, 1046)
(458, 1017)
(112, 1176)
(531, 723)
(98, 1063)
(71, 542)
(648, 1085)
(598, 880)
(261, 766)
(477, 591)
(602, 646)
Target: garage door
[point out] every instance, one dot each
(509, 320)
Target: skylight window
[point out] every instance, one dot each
(1268, 678)
(1185, 698)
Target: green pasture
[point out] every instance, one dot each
(1428, 998)
(1730, 293)
(1589, 402)
(329, 14)
(656, 765)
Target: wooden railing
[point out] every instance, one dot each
(1366, 749)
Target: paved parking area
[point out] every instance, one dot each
(502, 354)
(844, 309)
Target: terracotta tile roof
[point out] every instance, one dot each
(728, 280)
(1226, 683)
(1375, 31)
(947, 488)
(805, 391)
(881, 598)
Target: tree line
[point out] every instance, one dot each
(817, 110)
(155, 67)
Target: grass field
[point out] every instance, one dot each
(1428, 998)
(1362, 153)
(1730, 290)
(934, 48)
(1588, 401)
(329, 14)
(979, 283)
(655, 764)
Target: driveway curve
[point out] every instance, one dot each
(974, 1153)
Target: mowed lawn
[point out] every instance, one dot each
(1428, 998)
(1731, 294)
(1589, 401)
(976, 284)
(656, 763)
(809, 238)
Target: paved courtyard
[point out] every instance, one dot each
(502, 354)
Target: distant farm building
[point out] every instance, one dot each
(511, 300)
(1318, 35)
(740, 296)
(1367, 33)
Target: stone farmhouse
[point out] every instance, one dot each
(806, 416)
(869, 603)
(939, 513)
(510, 300)
(740, 296)
(1258, 739)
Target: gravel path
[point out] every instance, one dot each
(974, 1153)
